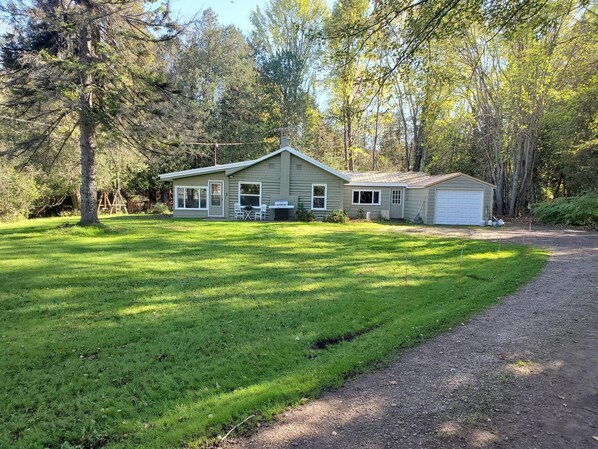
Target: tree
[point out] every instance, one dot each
(346, 56)
(286, 40)
(88, 66)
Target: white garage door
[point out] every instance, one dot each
(459, 207)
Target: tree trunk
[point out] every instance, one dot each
(87, 128)
(376, 134)
(350, 142)
(418, 155)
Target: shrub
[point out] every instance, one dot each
(18, 191)
(159, 208)
(336, 216)
(360, 214)
(578, 211)
(304, 214)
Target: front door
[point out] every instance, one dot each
(216, 204)
(396, 203)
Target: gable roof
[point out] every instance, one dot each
(403, 179)
(296, 153)
(238, 166)
(202, 171)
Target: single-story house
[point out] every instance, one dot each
(287, 176)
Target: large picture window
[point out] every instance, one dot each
(192, 198)
(318, 196)
(371, 197)
(250, 194)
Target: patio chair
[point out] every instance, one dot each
(238, 212)
(260, 214)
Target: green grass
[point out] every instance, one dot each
(160, 333)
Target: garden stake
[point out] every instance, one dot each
(405, 292)
(460, 274)
(523, 255)
(498, 252)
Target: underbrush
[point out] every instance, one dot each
(577, 211)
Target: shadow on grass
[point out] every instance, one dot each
(176, 328)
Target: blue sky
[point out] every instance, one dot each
(235, 12)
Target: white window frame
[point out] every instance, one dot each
(379, 203)
(176, 198)
(392, 190)
(319, 196)
(249, 194)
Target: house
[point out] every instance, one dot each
(287, 175)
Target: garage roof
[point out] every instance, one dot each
(409, 179)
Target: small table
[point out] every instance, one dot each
(247, 214)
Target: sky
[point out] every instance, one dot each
(230, 12)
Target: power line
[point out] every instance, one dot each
(24, 121)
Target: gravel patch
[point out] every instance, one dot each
(523, 374)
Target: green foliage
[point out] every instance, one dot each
(304, 214)
(579, 211)
(159, 209)
(18, 191)
(153, 333)
(336, 216)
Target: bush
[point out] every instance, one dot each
(336, 216)
(304, 214)
(18, 191)
(578, 211)
(159, 209)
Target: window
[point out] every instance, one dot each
(396, 197)
(366, 197)
(250, 194)
(318, 196)
(216, 194)
(191, 197)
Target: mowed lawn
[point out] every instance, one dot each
(165, 333)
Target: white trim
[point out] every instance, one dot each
(176, 198)
(201, 171)
(405, 198)
(379, 203)
(376, 184)
(248, 194)
(209, 202)
(325, 196)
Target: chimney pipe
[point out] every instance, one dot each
(285, 141)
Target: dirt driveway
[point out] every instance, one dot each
(524, 374)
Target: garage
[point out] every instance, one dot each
(459, 207)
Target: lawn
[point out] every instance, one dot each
(159, 333)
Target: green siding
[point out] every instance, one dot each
(199, 181)
(267, 172)
(375, 210)
(416, 199)
(304, 174)
(462, 183)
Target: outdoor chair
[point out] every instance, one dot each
(260, 214)
(239, 212)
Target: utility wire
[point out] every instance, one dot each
(23, 120)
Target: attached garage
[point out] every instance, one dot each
(453, 199)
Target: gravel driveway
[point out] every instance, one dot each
(524, 374)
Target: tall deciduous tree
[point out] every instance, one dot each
(88, 65)
(287, 42)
